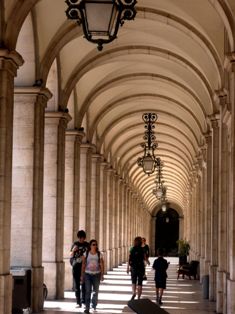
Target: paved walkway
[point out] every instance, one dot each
(180, 297)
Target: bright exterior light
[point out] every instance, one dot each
(100, 19)
(164, 207)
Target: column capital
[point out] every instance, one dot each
(229, 62)
(214, 120)
(57, 115)
(41, 94)
(10, 60)
(87, 147)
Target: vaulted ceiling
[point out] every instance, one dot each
(169, 61)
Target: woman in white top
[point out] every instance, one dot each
(92, 274)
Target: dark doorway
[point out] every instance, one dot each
(167, 231)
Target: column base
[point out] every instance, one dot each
(6, 294)
(219, 292)
(230, 297)
(54, 279)
(37, 289)
(212, 282)
(68, 280)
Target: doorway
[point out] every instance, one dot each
(167, 231)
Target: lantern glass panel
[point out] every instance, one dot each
(148, 164)
(100, 17)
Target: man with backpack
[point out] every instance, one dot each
(77, 251)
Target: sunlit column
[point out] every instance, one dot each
(230, 67)
(69, 201)
(125, 222)
(53, 202)
(85, 188)
(120, 219)
(223, 200)
(208, 204)
(214, 208)
(9, 63)
(101, 191)
(27, 185)
(111, 217)
(107, 216)
(202, 214)
(116, 218)
(95, 195)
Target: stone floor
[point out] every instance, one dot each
(181, 296)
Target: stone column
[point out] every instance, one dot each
(86, 151)
(202, 213)
(9, 63)
(102, 202)
(27, 186)
(53, 202)
(230, 67)
(121, 221)
(69, 200)
(116, 218)
(208, 138)
(214, 208)
(223, 200)
(109, 233)
(94, 212)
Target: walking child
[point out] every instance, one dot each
(160, 266)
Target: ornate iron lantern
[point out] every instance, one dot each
(149, 162)
(158, 191)
(101, 19)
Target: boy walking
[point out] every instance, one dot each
(160, 266)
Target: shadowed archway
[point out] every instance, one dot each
(167, 231)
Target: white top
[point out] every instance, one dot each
(92, 263)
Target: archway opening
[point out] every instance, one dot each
(167, 231)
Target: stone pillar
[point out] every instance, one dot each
(203, 212)
(53, 202)
(69, 201)
(86, 151)
(95, 195)
(116, 218)
(223, 197)
(230, 67)
(121, 221)
(9, 63)
(208, 138)
(214, 208)
(102, 202)
(27, 185)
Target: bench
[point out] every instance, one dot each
(189, 269)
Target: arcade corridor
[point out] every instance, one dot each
(181, 296)
(136, 139)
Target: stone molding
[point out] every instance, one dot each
(10, 61)
(229, 62)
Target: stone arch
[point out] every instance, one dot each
(156, 211)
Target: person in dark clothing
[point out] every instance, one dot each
(160, 266)
(137, 257)
(147, 253)
(77, 250)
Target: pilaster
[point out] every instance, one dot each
(214, 207)
(69, 200)
(27, 209)
(10, 61)
(86, 151)
(53, 199)
(208, 138)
